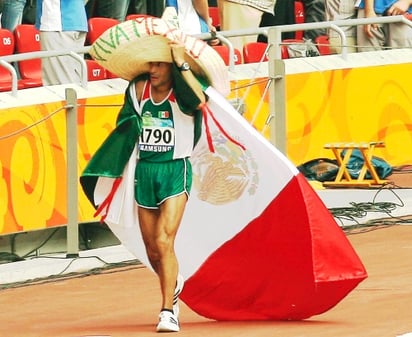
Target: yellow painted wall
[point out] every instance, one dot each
(33, 189)
(358, 104)
(346, 105)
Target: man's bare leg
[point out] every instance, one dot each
(159, 229)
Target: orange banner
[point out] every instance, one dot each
(33, 160)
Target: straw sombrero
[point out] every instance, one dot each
(127, 48)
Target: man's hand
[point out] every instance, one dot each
(399, 8)
(178, 52)
(370, 13)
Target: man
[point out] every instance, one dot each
(161, 117)
(285, 15)
(116, 9)
(243, 14)
(63, 26)
(193, 16)
(314, 12)
(163, 174)
(11, 13)
(341, 10)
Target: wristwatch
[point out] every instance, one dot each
(184, 67)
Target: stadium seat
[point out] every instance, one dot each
(254, 52)
(27, 39)
(110, 74)
(97, 26)
(214, 14)
(6, 42)
(299, 18)
(223, 51)
(6, 48)
(95, 71)
(322, 43)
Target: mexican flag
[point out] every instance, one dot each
(256, 242)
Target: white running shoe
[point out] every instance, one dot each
(179, 287)
(168, 322)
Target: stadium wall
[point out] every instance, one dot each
(328, 99)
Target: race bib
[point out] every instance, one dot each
(157, 135)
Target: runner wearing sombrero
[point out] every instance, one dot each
(166, 137)
(163, 174)
(161, 118)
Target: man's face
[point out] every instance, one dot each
(160, 74)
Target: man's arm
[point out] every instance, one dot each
(400, 7)
(178, 52)
(370, 13)
(202, 9)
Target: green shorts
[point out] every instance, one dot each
(156, 182)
